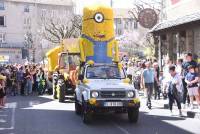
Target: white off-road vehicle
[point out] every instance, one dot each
(104, 88)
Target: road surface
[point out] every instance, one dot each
(42, 115)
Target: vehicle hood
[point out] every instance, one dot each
(108, 84)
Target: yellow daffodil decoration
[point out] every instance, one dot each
(97, 42)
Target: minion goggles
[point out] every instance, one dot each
(98, 17)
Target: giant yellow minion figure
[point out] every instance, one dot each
(97, 42)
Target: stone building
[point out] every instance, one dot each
(180, 32)
(22, 18)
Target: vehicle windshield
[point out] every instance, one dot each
(104, 72)
(64, 61)
(69, 61)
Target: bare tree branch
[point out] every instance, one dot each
(57, 30)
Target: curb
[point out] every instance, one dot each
(190, 114)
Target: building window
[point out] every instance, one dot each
(53, 13)
(26, 8)
(27, 21)
(119, 32)
(126, 25)
(2, 37)
(2, 7)
(135, 24)
(119, 21)
(43, 13)
(2, 21)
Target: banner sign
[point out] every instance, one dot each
(4, 58)
(147, 18)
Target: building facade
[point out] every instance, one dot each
(21, 23)
(129, 33)
(180, 32)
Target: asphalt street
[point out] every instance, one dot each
(42, 115)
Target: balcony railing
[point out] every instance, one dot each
(11, 45)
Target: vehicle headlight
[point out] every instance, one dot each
(130, 94)
(94, 94)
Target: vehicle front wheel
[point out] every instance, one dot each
(77, 107)
(86, 114)
(133, 115)
(54, 92)
(61, 93)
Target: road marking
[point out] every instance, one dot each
(2, 121)
(13, 119)
(12, 124)
(120, 128)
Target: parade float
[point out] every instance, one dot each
(103, 85)
(62, 64)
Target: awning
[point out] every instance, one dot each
(179, 21)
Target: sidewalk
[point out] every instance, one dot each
(191, 113)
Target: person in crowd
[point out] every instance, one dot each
(161, 77)
(125, 66)
(188, 62)
(192, 80)
(13, 79)
(137, 75)
(19, 79)
(130, 71)
(199, 78)
(156, 81)
(125, 58)
(41, 81)
(148, 81)
(28, 78)
(34, 74)
(179, 68)
(8, 80)
(23, 84)
(174, 89)
(2, 91)
(166, 75)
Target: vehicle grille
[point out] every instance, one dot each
(113, 94)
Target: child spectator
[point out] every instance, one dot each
(2, 91)
(192, 79)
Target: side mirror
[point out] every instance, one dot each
(80, 77)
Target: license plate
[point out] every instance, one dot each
(113, 104)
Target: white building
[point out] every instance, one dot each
(19, 17)
(128, 31)
(179, 8)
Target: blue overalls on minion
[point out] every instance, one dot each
(100, 51)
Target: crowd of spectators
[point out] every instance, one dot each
(176, 81)
(25, 80)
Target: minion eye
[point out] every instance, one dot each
(98, 17)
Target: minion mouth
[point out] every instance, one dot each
(99, 35)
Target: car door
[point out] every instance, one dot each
(80, 86)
